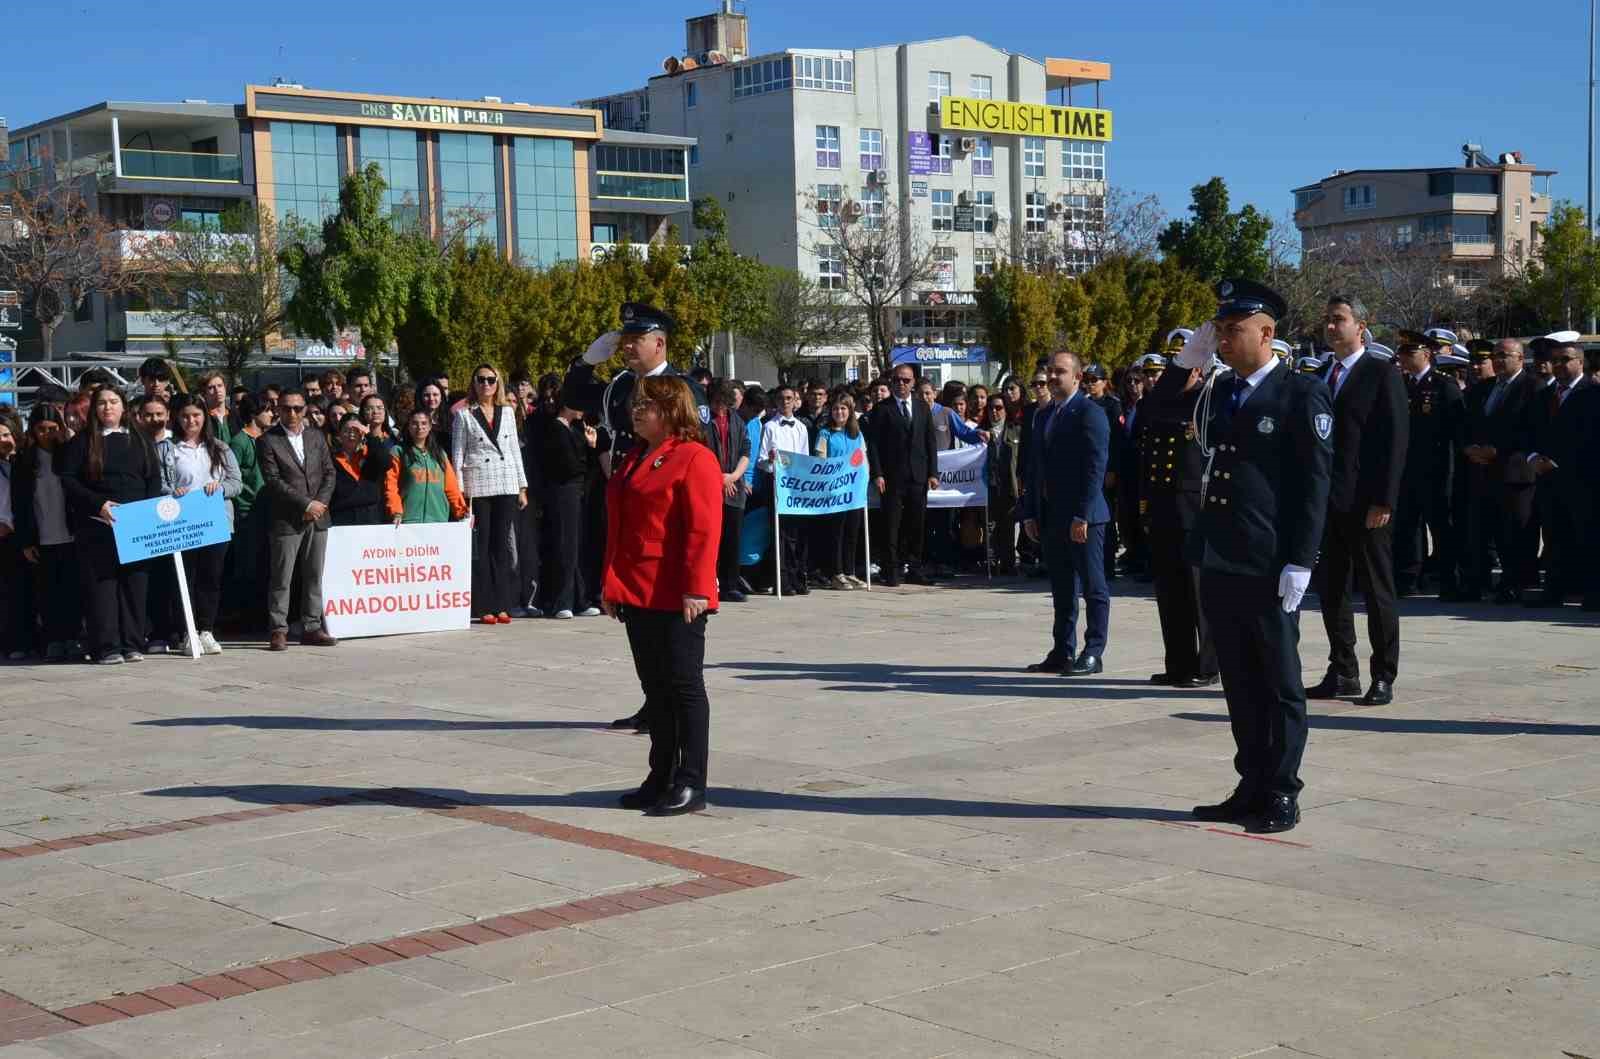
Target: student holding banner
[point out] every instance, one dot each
(839, 437)
(104, 466)
(199, 460)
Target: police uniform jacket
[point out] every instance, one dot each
(663, 526)
(1371, 432)
(1170, 461)
(1267, 496)
(609, 400)
(1438, 417)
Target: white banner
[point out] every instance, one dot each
(383, 580)
(961, 478)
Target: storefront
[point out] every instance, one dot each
(942, 336)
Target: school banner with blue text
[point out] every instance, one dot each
(816, 485)
(962, 478)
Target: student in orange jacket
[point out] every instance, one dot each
(421, 485)
(664, 522)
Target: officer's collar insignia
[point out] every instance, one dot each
(1266, 425)
(1226, 289)
(1323, 422)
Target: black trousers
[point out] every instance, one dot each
(1351, 552)
(790, 550)
(1076, 570)
(1568, 520)
(840, 534)
(163, 608)
(1516, 536)
(58, 593)
(1185, 633)
(202, 569)
(905, 513)
(494, 566)
(1003, 531)
(114, 595)
(592, 549)
(530, 523)
(728, 548)
(669, 655)
(246, 573)
(563, 579)
(1423, 514)
(17, 623)
(1258, 654)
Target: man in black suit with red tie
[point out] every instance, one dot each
(1566, 430)
(905, 465)
(1371, 431)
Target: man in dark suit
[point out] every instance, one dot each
(1266, 430)
(905, 465)
(1477, 511)
(1566, 434)
(1065, 510)
(297, 482)
(1371, 429)
(1427, 486)
(1498, 439)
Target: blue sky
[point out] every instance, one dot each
(1266, 95)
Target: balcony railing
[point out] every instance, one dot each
(181, 165)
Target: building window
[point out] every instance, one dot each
(305, 170)
(467, 183)
(1463, 184)
(1516, 211)
(1360, 197)
(1033, 156)
(830, 268)
(827, 75)
(941, 161)
(1402, 235)
(763, 76)
(1083, 160)
(691, 95)
(983, 157)
(829, 198)
(938, 85)
(871, 149)
(983, 261)
(1084, 212)
(604, 234)
(983, 211)
(828, 156)
(1078, 260)
(872, 209)
(395, 151)
(1034, 203)
(654, 173)
(547, 204)
(1302, 199)
(694, 154)
(944, 210)
(981, 87)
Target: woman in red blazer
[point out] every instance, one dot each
(664, 522)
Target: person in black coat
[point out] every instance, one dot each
(360, 469)
(1371, 429)
(565, 447)
(1437, 416)
(104, 466)
(1566, 437)
(728, 438)
(1498, 435)
(1267, 431)
(905, 464)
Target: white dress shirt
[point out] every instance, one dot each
(1257, 377)
(782, 434)
(297, 442)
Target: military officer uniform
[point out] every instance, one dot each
(1171, 468)
(1264, 504)
(1427, 485)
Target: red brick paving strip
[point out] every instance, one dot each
(20, 1020)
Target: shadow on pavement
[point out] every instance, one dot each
(365, 724)
(986, 681)
(1424, 726)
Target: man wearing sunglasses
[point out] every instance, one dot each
(297, 484)
(1566, 431)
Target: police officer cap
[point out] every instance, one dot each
(1414, 340)
(1308, 365)
(1451, 360)
(1151, 362)
(1245, 297)
(1441, 336)
(1381, 350)
(1559, 338)
(1479, 347)
(1178, 336)
(639, 318)
(1282, 349)
(1093, 371)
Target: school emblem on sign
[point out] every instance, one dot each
(1323, 424)
(167, 509)
(1266, 425)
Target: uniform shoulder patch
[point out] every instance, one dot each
(1322, 423)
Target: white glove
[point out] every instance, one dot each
(1292, 585)
(1199, 349)
(603, 348)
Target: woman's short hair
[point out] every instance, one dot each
(675, 400)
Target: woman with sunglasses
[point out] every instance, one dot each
(664, 508)
(197, 459)
(488, 457)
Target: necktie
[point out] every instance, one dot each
(1494, 398)
(1338, 373)
(1236, 398)
(787, 422)
(905, 409)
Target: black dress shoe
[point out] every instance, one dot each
(1461, 595)
(1505, 595)
(1163, 679)
(1380, 694)
(1334, 687)
(1545, 599)
(1084, 666)
(643, 798)
(733, 595)
(679, 800)
(1201, 680)
(1238, 807)
(1049, 664)
(918, 577)
(889, 582)
(1280, 813)
(636, 722)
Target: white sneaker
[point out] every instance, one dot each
(562, 614)
(589, 612)
(209, 644)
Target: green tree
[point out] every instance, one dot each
(795, 316)
(1019, 311)
(1563, 279)
(1216, 243)
(477, 319)
(733, 288)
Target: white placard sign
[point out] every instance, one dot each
(384, 580)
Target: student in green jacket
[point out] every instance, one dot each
(421, 486)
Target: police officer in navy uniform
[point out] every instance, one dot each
(642, 341)
(1268, 431)
(1428, 483)
(1171, 465)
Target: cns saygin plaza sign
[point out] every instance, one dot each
(283, 103)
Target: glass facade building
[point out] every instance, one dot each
(468, 189)
(545, 187)
(305, 171)
(396, 152)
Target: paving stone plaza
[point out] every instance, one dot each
(410, 847)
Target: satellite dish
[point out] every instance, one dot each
(690, 64)
(716, 58)
(670, 64)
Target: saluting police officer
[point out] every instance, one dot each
(1171, 466)
(1428, 483)
(642, 341)
(1268, 433)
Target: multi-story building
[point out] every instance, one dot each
(954, 133)
(537, 182)
(1479, 219)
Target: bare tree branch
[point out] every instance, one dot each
(61, 253)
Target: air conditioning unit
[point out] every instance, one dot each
(969, 337)
(850, 211)
(964, 199)
(902, 339)
(935, 338)
(879, 177)
(1056, 209)
(969, 144)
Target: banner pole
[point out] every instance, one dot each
(866, 534)
(188, 606)
(777, 544)
(988, 538)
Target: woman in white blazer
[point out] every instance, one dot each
(488, 459)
